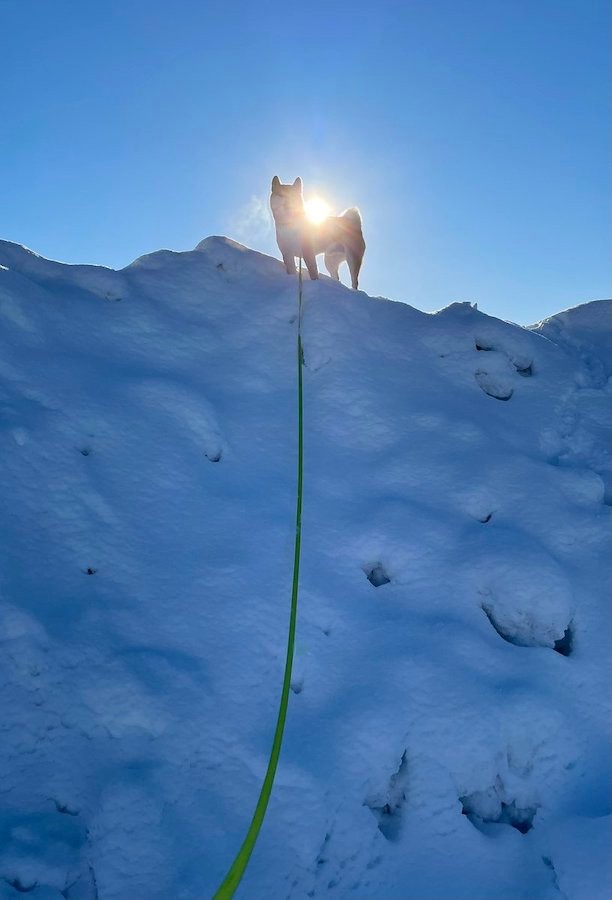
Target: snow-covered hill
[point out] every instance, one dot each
(448, 729)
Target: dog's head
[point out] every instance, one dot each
(286, 199)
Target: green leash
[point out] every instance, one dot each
(236, 871)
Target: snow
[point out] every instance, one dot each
(448, 729)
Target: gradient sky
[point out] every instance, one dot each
(472, 134)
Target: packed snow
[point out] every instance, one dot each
(449, 723)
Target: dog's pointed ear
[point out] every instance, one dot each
(275, 183)
(298, 183)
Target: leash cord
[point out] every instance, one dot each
(236, 871)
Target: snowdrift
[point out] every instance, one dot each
(448, 728)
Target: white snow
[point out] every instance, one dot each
(448, 730)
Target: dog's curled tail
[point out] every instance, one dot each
(353, 215)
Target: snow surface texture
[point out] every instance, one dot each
(447, 732)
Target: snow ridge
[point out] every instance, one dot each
(448, 725)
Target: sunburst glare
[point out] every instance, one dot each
(317, 210)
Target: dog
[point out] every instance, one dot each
(339, 237)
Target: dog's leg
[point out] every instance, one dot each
(311, 265)
(332, 261)
(289, 260)
(354, 264)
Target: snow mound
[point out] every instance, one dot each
(449, 719)
(586, 329)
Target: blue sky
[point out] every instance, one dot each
(472, 135)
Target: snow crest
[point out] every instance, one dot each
(449, 722)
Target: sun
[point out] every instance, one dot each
(317, 210)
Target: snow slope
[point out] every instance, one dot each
(448, 732)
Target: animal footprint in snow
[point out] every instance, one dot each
(523, 365)
(376, 575)
(488, 808)
(22, 887)
(493, 385)
(65, 809)
(297, 685)
(192, 414)
(387, 809)
(47, 836)
(563, 645)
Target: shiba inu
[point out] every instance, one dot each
(339, 237)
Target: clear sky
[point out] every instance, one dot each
(472, 134)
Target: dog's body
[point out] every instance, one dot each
(339, 237)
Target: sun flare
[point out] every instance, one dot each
(317, 210)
